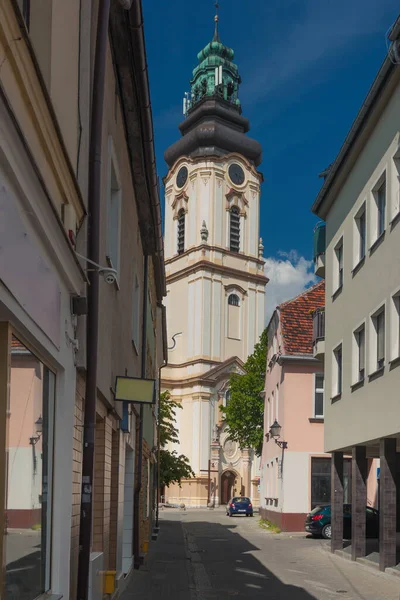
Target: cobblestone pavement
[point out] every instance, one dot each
(204, 555)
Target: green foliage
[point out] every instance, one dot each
(265, 524)
(173, 466)
(244, 414)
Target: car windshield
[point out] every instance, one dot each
(241, 499)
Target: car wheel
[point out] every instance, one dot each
(327, 531)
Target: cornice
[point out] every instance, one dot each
(223, 270)
(225, 251)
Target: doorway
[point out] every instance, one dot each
(227, 486)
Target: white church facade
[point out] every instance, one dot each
(215, 277)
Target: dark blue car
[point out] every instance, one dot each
(239, 505)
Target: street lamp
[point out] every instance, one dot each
(39, 430)
(275, 432)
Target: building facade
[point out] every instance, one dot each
(214, 269)
(295, 472)
(359, 202)
(48, 74)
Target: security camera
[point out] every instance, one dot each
(110, 275)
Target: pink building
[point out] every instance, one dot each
(295, 472)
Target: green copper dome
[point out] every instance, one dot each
(207, 81)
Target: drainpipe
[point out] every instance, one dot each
(138, 487)
(92, 328)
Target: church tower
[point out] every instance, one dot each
(215, 274)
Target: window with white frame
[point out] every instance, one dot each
(378, 216)
(395, 326)
(319, 395)
(277, 402)
(359, 354)
(234, 229)
(338, 266)
(377, 345)
(360, 235)
(113, 212)
(337, 371)
(395, 191)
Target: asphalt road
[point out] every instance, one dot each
(215, 557)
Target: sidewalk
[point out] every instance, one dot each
(165, 573)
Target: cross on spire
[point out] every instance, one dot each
(216, 19)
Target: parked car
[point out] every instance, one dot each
(239, 505)
(318, 522)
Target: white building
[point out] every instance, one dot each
(215, 277)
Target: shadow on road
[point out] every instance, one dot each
(231, 567)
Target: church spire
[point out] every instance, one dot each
(216, 19)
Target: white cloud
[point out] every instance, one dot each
(288, 276)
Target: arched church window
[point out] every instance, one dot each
(234, 229)
(233, 300)
(181, 231)
(227, 397)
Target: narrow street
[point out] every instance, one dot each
(204, 555)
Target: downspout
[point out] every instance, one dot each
(138, 487)
(92, 327)
(165, 362)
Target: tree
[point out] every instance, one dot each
(173, 466)
(244, 414)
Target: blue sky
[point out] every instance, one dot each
(306, 66)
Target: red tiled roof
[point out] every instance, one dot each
(296, 319)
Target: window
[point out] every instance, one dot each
(136, 304)
(395, 327)
(319, 395)
(181, 231)
(233, 300)
(338, 271)
(320, 481)
(378, 216)
(113, 212)
(30, 475)
(227, 397)
(378, 340)
(234, 229)
(337, 371)
(359, 354)
(381, 205)
(360, 235)
(234, 317)
(396, 188)
(277, 402)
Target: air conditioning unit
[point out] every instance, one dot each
(96, 568)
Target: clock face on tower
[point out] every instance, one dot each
(236, 174)
(182, 176)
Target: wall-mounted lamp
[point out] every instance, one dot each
(39, 430)
(275, 432)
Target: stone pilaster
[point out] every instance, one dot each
(359, 502)
(337, 497)
(246, 462)
(387, 504)
(215, 456)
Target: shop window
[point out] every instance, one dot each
(30, 472)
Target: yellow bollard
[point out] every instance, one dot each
(109, 582)
(145, 547)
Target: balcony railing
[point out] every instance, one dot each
(318, 325)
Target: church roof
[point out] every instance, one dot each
(214, 125)
(296, 319)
